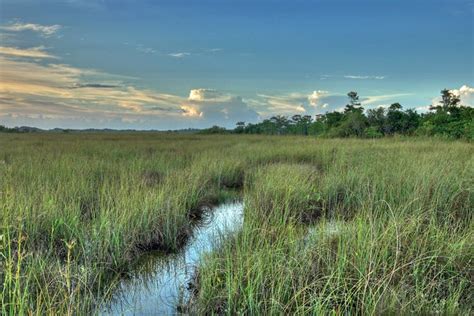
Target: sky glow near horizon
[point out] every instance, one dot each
(192, 64)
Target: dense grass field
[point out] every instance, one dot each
(330, 226)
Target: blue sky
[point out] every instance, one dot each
(178, 64)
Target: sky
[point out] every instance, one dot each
(192, 64)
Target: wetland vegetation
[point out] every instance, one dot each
(330, 225)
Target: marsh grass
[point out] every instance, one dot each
(403, 243)
(78, 210)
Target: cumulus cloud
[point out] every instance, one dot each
(314, 98)
(466, 94)
(207, 95)
(35, 52)
(43, 30)
(216, 108)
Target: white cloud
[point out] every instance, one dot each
(314, 97)
(43, 30)
(52, 95)
(145, 50)
(179, 55)
(466, 94)
(364, 77)
(423, 108)
(376, 99)
(207, 95)
(212, 107)
(295, 103)
(289, 104)
(28, 88)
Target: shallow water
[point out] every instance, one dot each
(161, 283)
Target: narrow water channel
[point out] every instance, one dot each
(162, 281)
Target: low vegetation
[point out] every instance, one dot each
(330, 225)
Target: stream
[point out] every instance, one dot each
(160, 284)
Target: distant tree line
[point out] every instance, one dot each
(18, 129)
(448, 119)
(5, 129)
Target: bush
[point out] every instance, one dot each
(372, 132)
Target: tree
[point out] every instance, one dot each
(354, 124)
(332, 119)
(300, 124)
(394, 119)
(240, 127)
(354, 104)
(448, 101)
(214, 130)
(455, 123)
(296, 118)
(281, 123)
(411, 121)
(395, 107)
(451, 120)
(376, 119)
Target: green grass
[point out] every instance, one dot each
(78, 210)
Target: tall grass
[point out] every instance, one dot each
(78, 210)
(394, 235)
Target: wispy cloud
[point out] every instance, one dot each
(141, 48)
(32, 91)
(35, 52)
(376, 99)
(50, 95)
(288, 104)
(362, 77)
(293, 103)
(179, 55)
(60, 88)
(43, 30)
(145, 50)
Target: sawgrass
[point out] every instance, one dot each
(78, 209)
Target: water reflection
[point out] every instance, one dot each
(161, 281)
